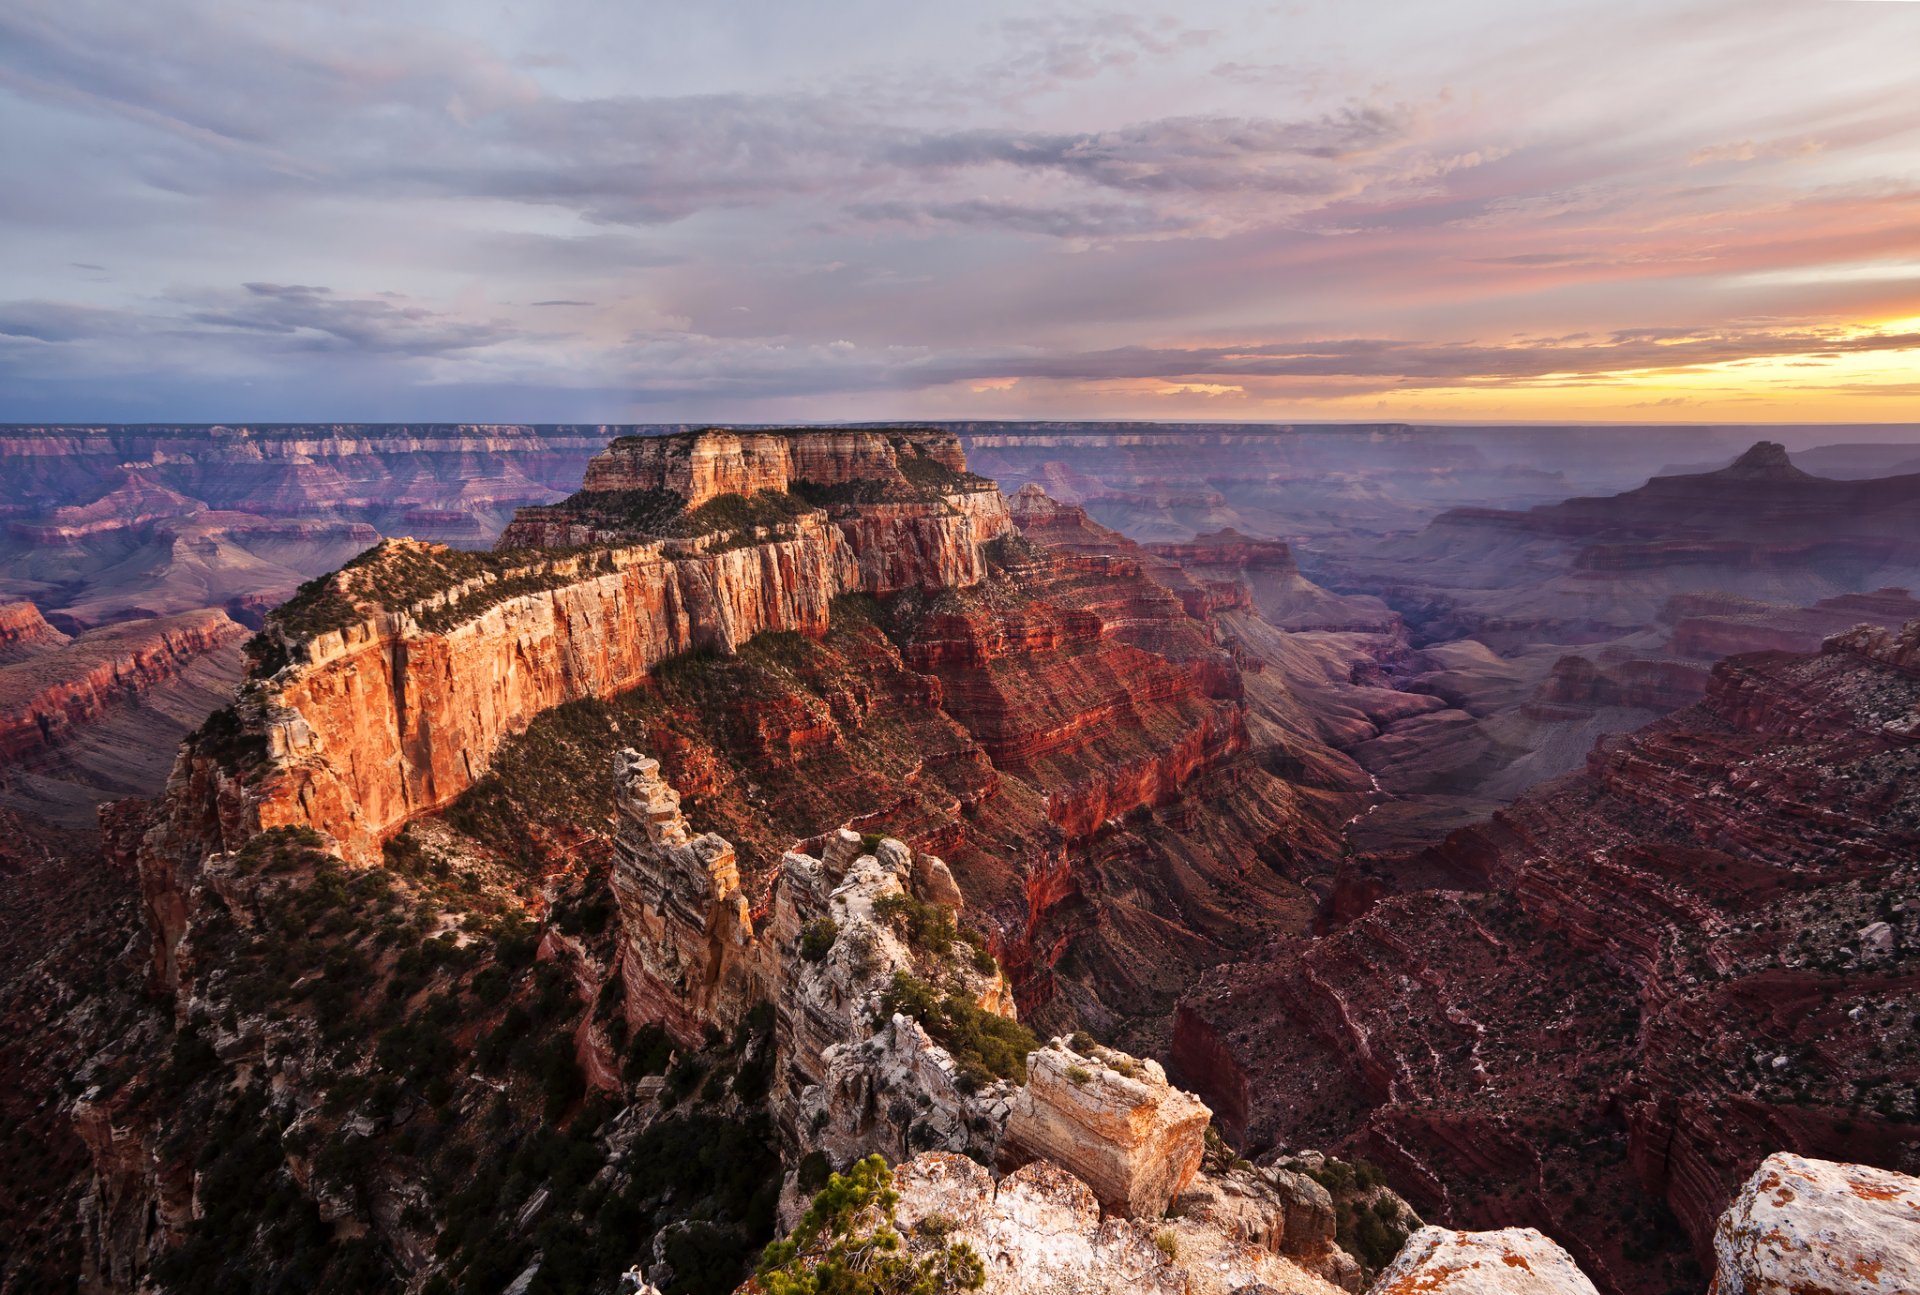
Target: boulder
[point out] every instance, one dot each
(1277, 1210)
(1814, 1227)
(1511, 1261)
(1113, 1121)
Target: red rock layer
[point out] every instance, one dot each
(1695, 952)
(44, 697)
(24, 632)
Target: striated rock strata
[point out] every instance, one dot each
(1112, 1121)
(1693, 952)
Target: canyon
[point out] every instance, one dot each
(780, 798)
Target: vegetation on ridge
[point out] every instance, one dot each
(849, 1243)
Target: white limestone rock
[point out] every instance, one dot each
(1815, 1227)
(1510, 1261)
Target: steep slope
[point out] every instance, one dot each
(99, 716)
(1692, 953)
(1057, 725)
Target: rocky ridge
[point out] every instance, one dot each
(1686, 956)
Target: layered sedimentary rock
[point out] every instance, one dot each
(721, 462)
(24, 632)
(824, 955)
(1813, 1227)
(1588, 569)
(1062, 729)
(425, 660)
(1285, 597)
(1274, 1209)
(1510, 1261)
(367, 473)
(43, 699)
(689, 958)
(1111, 1120)
(1708, 627)
(1695, 952)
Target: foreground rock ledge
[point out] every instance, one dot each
(1814, 1227)
(1040, 1229)
(1511, 1261)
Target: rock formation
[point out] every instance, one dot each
(721, 462)
(826, 956)
(42, 699)
(1813, 1227)
(1040, 1228)
(1705, 928)
(688, 953)
(1511, 1261)
(24, 632)
(1112, 1121)
(1274, 1209)
(404, 672)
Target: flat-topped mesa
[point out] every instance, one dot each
(383, 691)
(699, 466)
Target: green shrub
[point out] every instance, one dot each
(816, 939)
(927, 928)
(847, 1244)
(983, 1043)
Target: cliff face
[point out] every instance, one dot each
(389, 717)
(698, 468)
(1021, 701)
(427, 661)
(24, 632)
(1694, 952)
(42, 700)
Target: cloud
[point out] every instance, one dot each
(1404, 362)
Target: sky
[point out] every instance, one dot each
(758, 210)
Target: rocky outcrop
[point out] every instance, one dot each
(44, 698)
(1274, 1209)
(824, 953)
(24, 632)
(1897, 648)
(1511, 1261)
(1111, 1120)
(1042, 1229)
(1692, 953)
(715, 462)
(688, 954)
(1813, 1227)
(406, 671)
